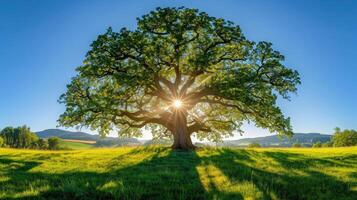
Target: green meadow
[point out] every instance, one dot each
(160, 173)
(74, 145)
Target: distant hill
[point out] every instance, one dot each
(69, 135)
(158, 142)
(117, 142)
(100, 142)
(307, 139)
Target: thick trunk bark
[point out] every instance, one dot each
(182, 137)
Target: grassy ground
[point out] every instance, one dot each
(159, 173)
(81, 141)
(75, 144)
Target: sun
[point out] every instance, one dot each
(177, 103)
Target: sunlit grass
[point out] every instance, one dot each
(76, 145)
(158, 172)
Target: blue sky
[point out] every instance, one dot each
(42, 42)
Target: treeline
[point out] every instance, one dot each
(340, 138)
(22, 137)
(345, 138)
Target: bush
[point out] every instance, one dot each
(326, 144)
(317, 145)
(344, 138)
(296, 145)
(254, 145)
(1, 141)
(54, 143)
(42, 144)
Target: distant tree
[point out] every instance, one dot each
(158, 142)
(337, 130)
(1, 142)
(27, 139)
(181, 72)
(344, 138)
(20, 137)
(317, 145)
(54, 143)
(327, 144)
(296, 145)
(42, 144)
(254, 145)
(8, 134)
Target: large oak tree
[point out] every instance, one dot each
(181, 72)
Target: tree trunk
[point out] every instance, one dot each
(182, 138)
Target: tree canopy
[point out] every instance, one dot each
(344, 138)
(254, 145)
(20, 137)
(180, 72)
(317, 144)
(1, 141)
(296, 145)
(54, 143)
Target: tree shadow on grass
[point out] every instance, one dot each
(301, 161)
(303, 183)
(165, 174)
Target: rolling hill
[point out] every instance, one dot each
(63, 134)
(75, 145)
(307, 139)
(100, 142)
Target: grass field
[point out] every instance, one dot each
(76, 144)
(81, 141)
(159, 173)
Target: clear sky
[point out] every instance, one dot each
(42, 42)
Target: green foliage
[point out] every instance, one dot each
(54, 143)
(317, 145)
(8, 134)
(344, 138)
(320, 144)
(337, 130)
(129, 79)
(159, 173)
(42, 144)
(326, 144)
(74, 145)
(1, 142)
(20, 137)
(254, 145)
(296, 145)
(158, 142)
